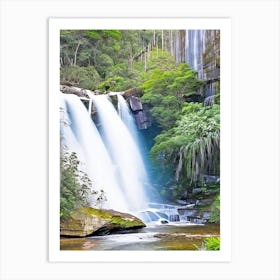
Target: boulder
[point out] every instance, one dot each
(133, 91)
(90, 221)
(135, 103)
(143, 118)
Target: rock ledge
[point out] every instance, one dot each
(90, 221)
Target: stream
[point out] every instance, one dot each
(173, 236)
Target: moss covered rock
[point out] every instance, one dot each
(90, 221)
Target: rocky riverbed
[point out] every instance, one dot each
(174, 236)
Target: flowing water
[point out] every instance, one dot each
(93, 152)
(68, 139)
(126, 116)
(194, 48)
(121, 145)
(176, 236)
(111, 157)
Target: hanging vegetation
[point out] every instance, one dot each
(193, 144)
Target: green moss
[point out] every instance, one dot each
(97, 212)
(126, 223)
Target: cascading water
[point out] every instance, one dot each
(194, 50)
(200, 50)
(126, 117)
(111, 157)
(68, 139)
(131, 174)
(85, 137)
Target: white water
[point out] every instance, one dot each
(81, 135)
(126, 116)
(68, 139)
(121, 146)
(195, 41)
(112, 161)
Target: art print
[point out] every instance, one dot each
(139, 152)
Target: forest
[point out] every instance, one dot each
(179, 93)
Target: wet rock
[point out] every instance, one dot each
(141, 120)
(188, 212)
(194, 98)
(205, 202)
(196, 190)
(209, 179)
(161, 235)
(90, 221)
(140, 111)
(181, 202)
(135, 103)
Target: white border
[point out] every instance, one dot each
(255, 122)
(55, 255)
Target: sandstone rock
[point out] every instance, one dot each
(133, 91)
(90, 221)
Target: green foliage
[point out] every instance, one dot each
(217, 98)
(89, 48)
(212, 243)
(104, 63)
(215, 211)
(165, 87)
(86, 77)
(109, 52)
(98, 34)
(188, 141)
(75, 186)
(193, 144)
(120, 78)
(162, 60)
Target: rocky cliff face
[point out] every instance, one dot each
(140, 111)
(201, 50)
(211, 62)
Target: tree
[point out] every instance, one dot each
(75, 186)
(192, 146)
(166, 86)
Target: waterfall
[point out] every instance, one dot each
(68, 139)
(81, 135)
(200, 49)
(125, 154)
(194, 48)
(126, 116)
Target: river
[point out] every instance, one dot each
(174, 236)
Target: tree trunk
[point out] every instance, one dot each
(145, 61)
(76, 52)
(131, 57)
(171, 42)
(162, 40)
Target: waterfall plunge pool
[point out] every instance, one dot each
(173, 236)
